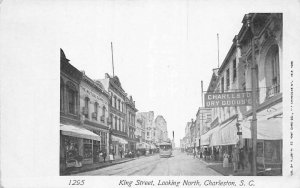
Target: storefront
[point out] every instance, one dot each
(77, 145)
(269, 136)
(118, 146)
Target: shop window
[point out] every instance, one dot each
(71, 145)
(87, 149)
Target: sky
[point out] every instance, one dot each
(162, 50)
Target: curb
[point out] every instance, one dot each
(96, 168)
(104, 166)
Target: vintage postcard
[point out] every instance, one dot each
(136, 93)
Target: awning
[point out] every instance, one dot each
(205, 139)
(267, 129)
(119, 139)
(152, 146)
(269, 124)
(228, 133)
(215, 139)
(75, 131)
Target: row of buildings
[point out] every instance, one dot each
(219, 129)
(97, 116)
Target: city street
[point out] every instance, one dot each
(180, 164)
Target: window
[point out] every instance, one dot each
(61, 95)
(227, 79)
(71, 96)
(95, 110)
(86, 107)
(115, 101)
(272, 71)
(103, 113)
(120, 124)
(119, 107)
(234, 70)
(116, 123)
(222, 85)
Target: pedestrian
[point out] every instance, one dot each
(241, 159)
(225, 160)
(235, 158)
(104, 156)
(194, 153)
(121, 153)
(111, 156)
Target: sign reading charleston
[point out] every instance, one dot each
(213, 100)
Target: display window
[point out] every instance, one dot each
(71, 145)
(87, 148)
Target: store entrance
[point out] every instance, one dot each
(96, 151)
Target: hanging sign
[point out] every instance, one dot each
(214, 100)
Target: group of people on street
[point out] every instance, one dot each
(238, 158)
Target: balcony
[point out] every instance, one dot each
(273, 90)
(102, 119)
(94, 115)
(85, 111)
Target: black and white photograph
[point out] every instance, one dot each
(137, 93)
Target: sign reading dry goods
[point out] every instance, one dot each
(213, 100)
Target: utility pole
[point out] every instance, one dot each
(218, 49)
(112, 58)
(250, 26)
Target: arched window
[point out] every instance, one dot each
(116, 123)
(72, 97)
(272, 71)
(86, 107)
(95, 115)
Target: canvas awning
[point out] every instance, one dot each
(143, 145)
(267, 129)
(119, 139)
(206, 138)
(79, 132)
(215, 139)
(228, 133)
(269, 124)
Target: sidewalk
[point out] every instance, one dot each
(218, 167)
(95, 166)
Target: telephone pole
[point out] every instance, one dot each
(254, 90)
(112, 58)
